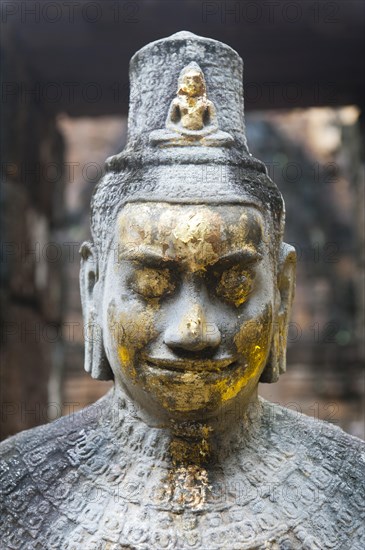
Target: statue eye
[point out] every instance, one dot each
(235, 285)
(152, 282)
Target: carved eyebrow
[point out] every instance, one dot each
(154, 259)
(244, 256)
(147, 257)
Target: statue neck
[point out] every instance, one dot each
(185, 442)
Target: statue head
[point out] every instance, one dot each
(187, 285)
(191, 81)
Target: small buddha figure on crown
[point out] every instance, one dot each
(192, 117)
(191, 109)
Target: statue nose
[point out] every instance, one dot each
(193, 332)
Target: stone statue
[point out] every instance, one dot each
(192, 118)
(191, 107)
(186, 292)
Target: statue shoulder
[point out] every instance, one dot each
(313, 470)
(62, 427)
(317, 442)
(38, 467)
(306, 429)
(28, 452)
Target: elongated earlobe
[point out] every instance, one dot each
(276, 363)
(96, 362)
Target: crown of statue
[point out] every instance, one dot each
(208, 74)
(186, 134)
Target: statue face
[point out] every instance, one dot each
(192, 84)
(188, 308)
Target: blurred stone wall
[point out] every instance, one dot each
(314, 157)
(88, 143)
(32, 216)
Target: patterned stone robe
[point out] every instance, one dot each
(101, 480)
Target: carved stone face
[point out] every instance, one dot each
(192, 84)
(190, 299)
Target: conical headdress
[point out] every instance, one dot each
(186, 135)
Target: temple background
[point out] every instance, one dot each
(64, 105)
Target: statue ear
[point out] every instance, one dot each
(96, 362)
(276, 363)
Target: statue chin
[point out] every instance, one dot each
(186, 398)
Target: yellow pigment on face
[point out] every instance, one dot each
(194, 391)
(124, 355)
(194, 237)
(229, 389)
(152, 283)
(253, 342)
(130, 337)
(235, 285)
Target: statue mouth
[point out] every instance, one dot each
(191, 365)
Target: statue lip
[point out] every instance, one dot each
(191, 365)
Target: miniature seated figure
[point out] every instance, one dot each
(192, 109)
(192, 116)
(191, 284)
